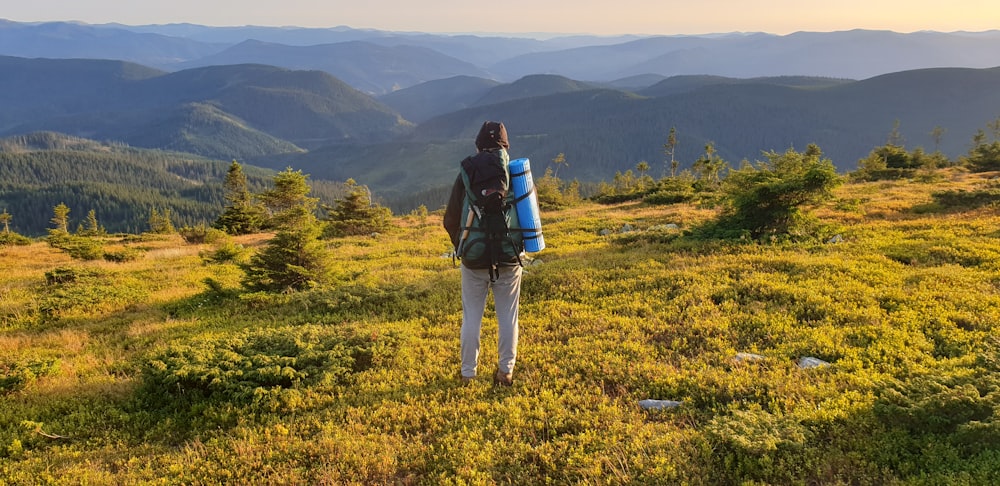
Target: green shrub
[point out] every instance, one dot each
(628, 187)
(84, 292)
(669, 197)
(983, 156)
(18, 375)
(269, 370)
(14, 239)
(227, 252)
(292, 260)
(963, 199)
(618, 198)
(671, 190)
(142, 238)
(63, 275)
(883, 174)
(123, 255)
(756, 445)
(79, 247)
(766, 199)
(201, 234)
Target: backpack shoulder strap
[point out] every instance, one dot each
(469, 195)
(468, 212)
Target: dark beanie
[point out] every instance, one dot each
(492, 135)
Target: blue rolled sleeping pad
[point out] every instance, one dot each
(526, 204)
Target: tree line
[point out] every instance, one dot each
(119, 183)
(294, 258)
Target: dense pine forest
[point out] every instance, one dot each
(122, 185)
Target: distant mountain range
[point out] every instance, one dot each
(397, 111)
(220, 111)
(378, 62)
(604, 130)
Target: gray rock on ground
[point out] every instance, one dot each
(650, 404)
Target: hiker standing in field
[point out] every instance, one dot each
(490, 257)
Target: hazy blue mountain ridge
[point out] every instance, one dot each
(368, 67)
(480, 49)
(220, 111)
(855, 54)
(426, 100)
(82, 41)
(684, 83)
(407, 59)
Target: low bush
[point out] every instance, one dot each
(201, 234)
(227, 252)
(75, 292)
(14, 239)
(669, 197)
(143, 238)
(269, 370)
(127, 254)
(19, 374)
(79, 247)
(65, 275)
(966, 199)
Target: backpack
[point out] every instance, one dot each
(490, 235)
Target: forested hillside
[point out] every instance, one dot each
(427, 100)
(602, 131)
(121, 185)
(685, 83)
(223, 112)
(275, 118)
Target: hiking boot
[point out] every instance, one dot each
(501, 378)
(467, 379)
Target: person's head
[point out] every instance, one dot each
(492, 135)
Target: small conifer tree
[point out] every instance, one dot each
(77, 246)
(241, 215)
(669, 148)
(285, 200)
(766, 199)
(60, 219)
(547, 190)
(295, 259)
(93, 228)
(9, 237)
(160, 223)
(709, 168)
(984, 156)
(5, 218)
(356, 214)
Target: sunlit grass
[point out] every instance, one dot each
(904, 307)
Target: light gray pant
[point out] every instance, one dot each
(506, 299)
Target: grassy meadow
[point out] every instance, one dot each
(162, 370)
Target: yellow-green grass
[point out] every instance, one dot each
(904, 306)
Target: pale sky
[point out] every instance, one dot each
(602, 17)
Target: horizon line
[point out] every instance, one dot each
(532, 34)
